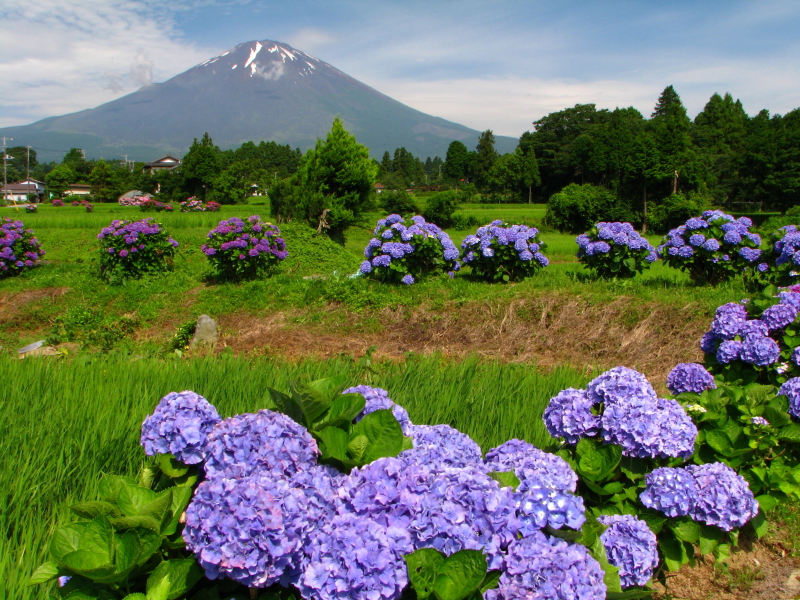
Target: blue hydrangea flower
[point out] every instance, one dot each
(355, 558)
(708, 343)
(729, 320)
(670, 491)
(442, 446)
(529, 462)
(723, 497)
(539, 504)
(728, 351)
(546, 568)
(179, 426)
(760, 421)
(619, 384)
(760, 351)
(378, 399)
(630, 546)
(754, 327)
(796, 356)
(690, 377)
(407, 279)
(697, 239)
(791, 389)
(779, 316)
(569, 415)
(264, 443)
(791, 298)
(251, 530)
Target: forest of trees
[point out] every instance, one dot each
(642, 167)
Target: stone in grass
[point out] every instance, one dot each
(205, 332)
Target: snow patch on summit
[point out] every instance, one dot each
(253, 53)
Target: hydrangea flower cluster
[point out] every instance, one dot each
(57, 202)
(644, 425)
(791, 389)
(19, 249)
(194, 204)
(445, 508)
(781, 258)
(266, 443)
(378, 399)
(249, 529)
(735, 337)
(179, 426)
(240, 249)
(615, 250)
(441, 446)
(503, 252)
(132, 248)
(133, 200)
(355, 557)
(31, 208)
(403, 251)
(548, 568)
(546, 481)
(631, 546)
(152, 204)
(690, 377)
(712, 248)
(713, 494)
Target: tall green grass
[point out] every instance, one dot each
(63, 423)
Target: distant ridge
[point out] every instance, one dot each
(259, 90)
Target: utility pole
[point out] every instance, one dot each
(28, 171)
(5, 158)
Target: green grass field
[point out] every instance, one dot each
(64, 423)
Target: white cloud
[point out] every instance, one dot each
(310, 39)
(89, 52)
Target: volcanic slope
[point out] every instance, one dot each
(259, 90)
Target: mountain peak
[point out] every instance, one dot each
(266, 59)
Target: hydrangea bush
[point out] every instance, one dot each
(503, 252)
(615, 250)
(19, 248)
(194, 204)
(244, 248)
(57, 202)
(132, 248)
(151, 204)
(403, 251)
(780, 263)
(713, 248)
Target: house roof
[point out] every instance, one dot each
(79, 186)
(18, 187)
(165, 161)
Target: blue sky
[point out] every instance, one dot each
(488, 64)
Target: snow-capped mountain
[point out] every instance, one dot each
(259, 90)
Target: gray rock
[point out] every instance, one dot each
(41, 351)
(205, 332)
(31, 347)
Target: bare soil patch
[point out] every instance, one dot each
(548, 331)
(11, 304)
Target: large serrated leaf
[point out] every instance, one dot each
(286, 405)
(790, 432)
(312, 402)
(123, 523)
(171, 466)
(357, 447)
(47, 572)
(334, 443)
(423, 566)
(610, 572)
(460, 575)
(65, 540)
(686, 530)
(133, 498)
(149, 543)
(182, 575)
(110, 485)
(159, 509)
(384, 433)
(342, 411)
(98, 538)
(719, 441)
(181, 495)
(90, 510)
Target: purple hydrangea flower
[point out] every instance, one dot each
(697, 239)
(540, 503)
(441, 446)
(378, 399)
(407, 279)
(791, 298)
(179, 426)
(618, 385)
(251, 530)
(569, 415)
(760, 351)
(779, 316)
(690, 377)
(355, 558)
(728, 351)
(264, 443)
(791, 389)
(723, 497)
(670, 491)
(547, 568)
(760, 421)
(528, 462)
(630, 546)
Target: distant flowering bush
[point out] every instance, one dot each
(403, 251)
(133, 200)
(615, 250)
(193, 204)
(31, 208)
(503, 252)
(150, 204)
(713, 248)
(132, 248)
(88, 206)
(244, 248)
(19, 249)
(57, 202)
